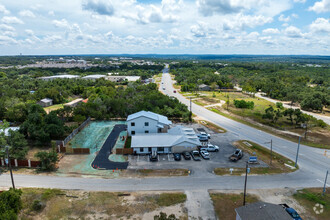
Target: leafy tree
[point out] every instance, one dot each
(279, 105)
(272, 114)
(47, 159)
(10, 204)
(289, 112)
(17, 144)
(244, 104)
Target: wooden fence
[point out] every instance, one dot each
(124, 151)
(81, 150)
(20, 163)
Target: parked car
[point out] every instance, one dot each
(293, 213)
(195, 155)
(205, 134)
(174, 91)
(163, 88)
(202, 137)
(205, 155)
(210, 148)
(186, 155)
(238, 154)
(153, 157)
(177, 156)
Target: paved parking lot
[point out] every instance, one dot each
(217, 159)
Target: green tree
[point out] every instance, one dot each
(17, 145)
(163, 216)
(47, 159)
(10, 204)
(289, 112)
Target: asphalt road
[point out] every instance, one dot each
(310, 159)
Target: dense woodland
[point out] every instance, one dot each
(297, 83)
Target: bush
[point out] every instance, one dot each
(10, 204)
(48, 160)
(163, 216)
(36, 205)
(244, 104)
(321, 123)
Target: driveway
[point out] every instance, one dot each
(101, 160)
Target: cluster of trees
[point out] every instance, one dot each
(190, 76)
(244, 104)
(294, 116)
(308, 86)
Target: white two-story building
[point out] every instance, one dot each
(151, 133)
(144, 122)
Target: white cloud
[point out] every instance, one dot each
(240, 22)
(102, 7)
(293, 32)
(11, 20)
(320, 25)
(201, 30)
(299, 1)
(61, 23)
(27, 13)
(321, 6)
(271, 31)
(4, 10)
(283, 18)
(29, 32)
(51, 13)
(5, 27)
(5, 40)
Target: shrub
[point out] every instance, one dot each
(244, 104)
(36, 205)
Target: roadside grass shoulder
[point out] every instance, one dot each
(308, 198)
(280, 164)
(265, 129)
(75, 204)
(212, 126)
(158, 172)
(225, 204)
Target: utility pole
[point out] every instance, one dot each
(190, 103)
(9, 164)
(246, 172)
(295, 164)
(325, 183)
(271, 151)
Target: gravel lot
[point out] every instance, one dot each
(217, 159)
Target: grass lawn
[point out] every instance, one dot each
(53, 107)
(308, 198)
(73, 204)
(225, 204)
(212, 126)
(278, 161)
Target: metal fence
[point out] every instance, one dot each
(75, 131)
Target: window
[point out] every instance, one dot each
(146, 123)
(132, 124)
(159, 130)
(149, 149)
(141, 149)
(161, 149)
(146, 131)
(133, 132)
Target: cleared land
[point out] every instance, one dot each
(65, 204)
(280, 164)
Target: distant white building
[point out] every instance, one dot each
(147, 122)
(94, 77)
(151, 132)
(47, 78)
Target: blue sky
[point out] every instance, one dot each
(164, 27)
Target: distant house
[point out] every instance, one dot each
(204, 87)
(73, 103)
(65, 76)
(151, 132)
(46, 102)
(262, 211)
(147, 122)
(94, 77)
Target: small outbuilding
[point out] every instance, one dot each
(204, 87)
(262, 211)
(45, 102)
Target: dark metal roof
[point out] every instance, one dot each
(262, 211)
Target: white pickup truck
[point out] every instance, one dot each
(210, 148)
